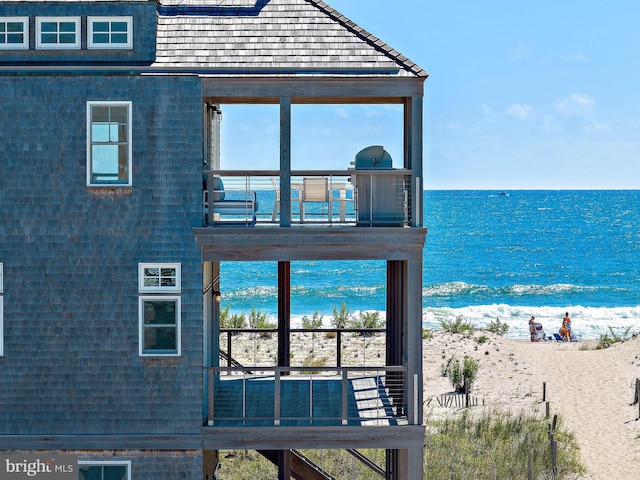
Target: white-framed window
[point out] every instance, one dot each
(109, 470)
(57, 33)
(110, 32)
(109, 143)
(159, 278)
(159, 325)
(159, 314)
(14, 33)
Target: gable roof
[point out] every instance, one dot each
(271, 36)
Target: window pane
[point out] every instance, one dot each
(68, 38)
(168, 277)
(159, 312)
(100, 26)
(99, 114)
(100, 132)
(160, 338)
(49, 38)
(15, 38)
(119, 26)
(104, 165)
(151, 272)
(89, 472)
(115, 472)
(15, 27)
(119, 38)
(48, 27)
(100, 38)
(3, 27)
(123, 162)
(67, 27)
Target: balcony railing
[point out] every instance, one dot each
(316, 198)
(304, 396)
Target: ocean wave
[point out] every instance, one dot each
(461, 288)
(591, 322)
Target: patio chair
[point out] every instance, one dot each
(223, 207)
(315, 190)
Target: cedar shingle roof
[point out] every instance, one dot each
(271, 36)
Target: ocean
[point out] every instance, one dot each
(488, 255)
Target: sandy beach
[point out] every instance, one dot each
(592, 390)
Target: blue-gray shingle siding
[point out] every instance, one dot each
(71, 255)
(144, 33)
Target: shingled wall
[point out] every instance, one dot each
(71, 254)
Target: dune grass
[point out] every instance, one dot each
(493, 445)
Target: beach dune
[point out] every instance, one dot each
(592, 390)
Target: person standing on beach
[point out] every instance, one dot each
(565, 329)
(532, 328)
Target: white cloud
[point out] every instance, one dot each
(520, 111)
(342, 113)
(576, 104)
(595, 126)
(522, 51)
(578, 57)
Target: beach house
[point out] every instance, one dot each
(116, 214)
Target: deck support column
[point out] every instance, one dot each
(284, 314)
(284, 465)
(285, 161)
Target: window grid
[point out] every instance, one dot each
(110, 32)
(159, 314)
(58, 33)
(104, 470)
(159, 277)
(109, 143)
(14, 33)
(160, 325)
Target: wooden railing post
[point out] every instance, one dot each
(276, 397)
(345, 398)
(210, 410)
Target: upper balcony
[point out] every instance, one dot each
(363, 197)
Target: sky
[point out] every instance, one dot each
(521, 95)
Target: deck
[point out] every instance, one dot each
(304, 401)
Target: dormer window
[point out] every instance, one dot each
(110, 32)
(14, 33)
(57, 33)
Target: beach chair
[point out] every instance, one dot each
(558, 338)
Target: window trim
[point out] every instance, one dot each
(58, 46)
(116, 103)
(159, 289)
(178, 325)
(101, 463)
(110, 46)
(17, 46)
(1, 278)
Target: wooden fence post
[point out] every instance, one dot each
(466, 392)
(547, 408)
(530, 466)
(544, 391)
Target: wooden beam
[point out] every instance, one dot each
(287, 244)
(312, 89)
(286, 438)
